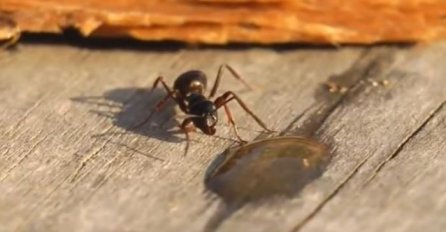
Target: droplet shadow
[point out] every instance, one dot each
(256, 173)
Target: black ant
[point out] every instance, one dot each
(201, 112)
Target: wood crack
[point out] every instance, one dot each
(330, 196)
(372, 64)
(106, 177)
(89, 157)
(403, 144)
(25, 116)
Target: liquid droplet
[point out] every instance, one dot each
(279, 166)
(275, 166)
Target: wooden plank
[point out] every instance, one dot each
(49, 131)
(66, 162)
(406, 194)
(364, 128)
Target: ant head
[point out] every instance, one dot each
(208, 122)
(205, 114)
(211, 119)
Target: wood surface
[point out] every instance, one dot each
(70, 162)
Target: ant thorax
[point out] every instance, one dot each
(196, 87)
(199, 105)
(194, 98)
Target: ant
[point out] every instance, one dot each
(201, 112)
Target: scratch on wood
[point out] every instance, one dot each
(176, 59)
(90, 156)
(330, 195)
(404, 143)
(25, 116)
(33, 148)
(69, 178)
(98, 185)
(29, 217)
(137, 151)
(102, 147)
(7, 149)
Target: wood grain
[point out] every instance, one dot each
(69, 161)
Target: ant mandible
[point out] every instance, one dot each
(201, 112)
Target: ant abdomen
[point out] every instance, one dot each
(193, 81)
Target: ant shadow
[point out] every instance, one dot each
(129, 107)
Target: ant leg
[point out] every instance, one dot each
(158, 80)
(229, 96)
(157, 108)
(160, 104)
(219, 74)
(232, 122)
(187, 126)
(172, 93)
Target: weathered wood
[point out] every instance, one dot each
(405, 195)
(69, 162)
(367, 126)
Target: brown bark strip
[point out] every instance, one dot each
(221, 22)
